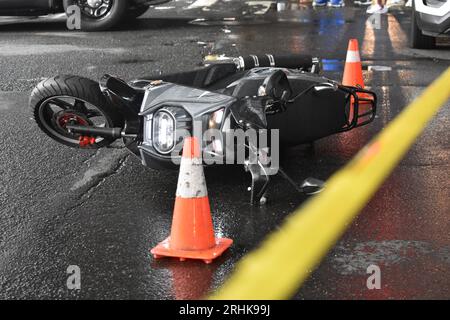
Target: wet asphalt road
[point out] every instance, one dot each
(103, 211)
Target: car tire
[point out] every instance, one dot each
(116, 13)
(418, 39)
(136, 12)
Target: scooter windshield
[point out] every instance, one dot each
(249, 112)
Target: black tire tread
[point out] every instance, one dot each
(77, 87)
(418, 39)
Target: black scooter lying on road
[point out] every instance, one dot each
(256, 92)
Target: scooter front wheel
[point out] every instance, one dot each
(70, 100)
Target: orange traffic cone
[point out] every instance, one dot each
(192, 234)
(353, 76)
(353, 68)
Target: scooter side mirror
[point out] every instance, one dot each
(276, 86)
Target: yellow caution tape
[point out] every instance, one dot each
(278, 268)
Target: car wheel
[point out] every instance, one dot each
(418, 39)
(99, 15)
(136, 12)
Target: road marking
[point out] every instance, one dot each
(41, 49)
(368, 45)
(265, 6)
(379, 68)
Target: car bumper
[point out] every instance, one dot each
(433, 21)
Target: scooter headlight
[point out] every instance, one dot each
(163, 131)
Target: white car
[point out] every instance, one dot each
(430, 19)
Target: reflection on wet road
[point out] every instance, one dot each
(103, 210)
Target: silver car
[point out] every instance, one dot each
(96, 15)
(430, 19)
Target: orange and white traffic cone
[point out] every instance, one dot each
(353, 68)
(353, 75)
(192, 233)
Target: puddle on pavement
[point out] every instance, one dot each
(355, 260)
(246, 7)
(277, 12)
(227, 22)
(263, 12)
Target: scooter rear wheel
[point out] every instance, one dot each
(62, 100)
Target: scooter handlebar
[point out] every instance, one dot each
(293, 61)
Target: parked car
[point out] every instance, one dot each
(430, 19)
(96, 15)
